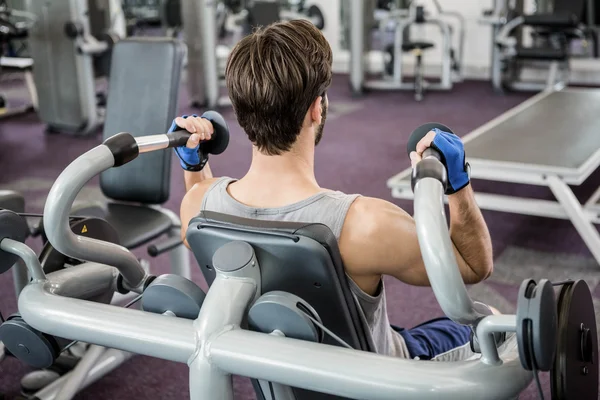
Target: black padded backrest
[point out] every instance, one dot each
(143, 92)
(299, 258)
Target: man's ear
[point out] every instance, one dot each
(315, 110)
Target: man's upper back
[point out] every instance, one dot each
(328, 208)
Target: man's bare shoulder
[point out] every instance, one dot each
(371, 212)
(367, 233)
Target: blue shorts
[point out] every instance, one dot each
(435, 338)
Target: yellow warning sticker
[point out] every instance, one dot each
(84, 230)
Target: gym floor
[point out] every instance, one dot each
(364, 144)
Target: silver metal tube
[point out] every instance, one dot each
(438, 254)
(357, 45)
(446, 78)
(224, 307)
(126, 329)
(461, 37)
(56, 218)
(20, 276)
(108, 361)
(362, 375)
(208, 35)
(150, 143)
(485, 335)
(504, 34)
(79, 373)
(398, 42)
(28, 256)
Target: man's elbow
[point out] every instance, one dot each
(481, 272)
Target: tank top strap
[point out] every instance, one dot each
(217, 188)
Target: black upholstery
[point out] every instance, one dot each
(263, 13)
(559, 21)
(299, 258)
(12, 201)
(136, 225)
(572, 7)
(144, 87)
(542, 53)
(409, 46)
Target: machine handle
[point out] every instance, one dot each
(217, 143)
(432, 165)
(157, 249)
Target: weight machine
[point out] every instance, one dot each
(393, 72)
(554, 27)
(206, 58)
(70, 44)
(14, 26)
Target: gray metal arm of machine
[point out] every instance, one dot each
(115, 151)
(504, 38)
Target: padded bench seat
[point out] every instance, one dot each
(546, 54)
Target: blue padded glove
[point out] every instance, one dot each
(188, 158)
(453, 156)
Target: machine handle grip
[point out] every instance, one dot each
(157, 249)
(432, 164)
(217, 143)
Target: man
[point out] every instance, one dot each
(277, 79)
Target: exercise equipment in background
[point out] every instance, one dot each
(402, 20)
(208, 19)
(71, 45)
(14, 28)
(543, 41)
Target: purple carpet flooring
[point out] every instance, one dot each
(364, 145)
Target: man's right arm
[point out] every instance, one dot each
(380, 238)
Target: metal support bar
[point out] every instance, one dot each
(487, 340)
(231, 296)
(79, 373)
(333, 370)
(109, 360)
(576, 214)
(134, 331)
(357, 45)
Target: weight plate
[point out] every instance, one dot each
(316, 16)
(536, 325)
(287, 313)
(12, 226)
(27, 344)
(173, 293)
(575, 372)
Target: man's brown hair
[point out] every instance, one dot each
(273, 76)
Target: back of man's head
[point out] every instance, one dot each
(274, 76)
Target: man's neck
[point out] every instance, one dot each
(291, 166)
(278, 180)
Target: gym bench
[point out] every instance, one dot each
(549, 140)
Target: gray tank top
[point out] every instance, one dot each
(327, 208)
